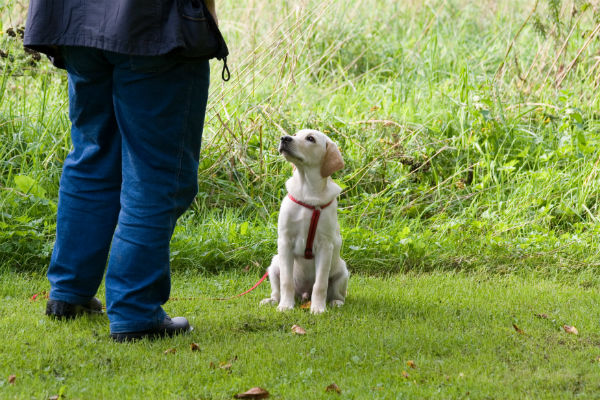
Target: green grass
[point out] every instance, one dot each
(471, 135)
(448, 138)
(456, 327)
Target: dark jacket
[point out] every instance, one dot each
(135, 27)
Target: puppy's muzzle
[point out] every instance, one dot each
(285, 144)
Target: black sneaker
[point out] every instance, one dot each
(63, 310)
(168, 327)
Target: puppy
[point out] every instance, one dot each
(308, 214)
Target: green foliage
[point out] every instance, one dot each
(451, 161)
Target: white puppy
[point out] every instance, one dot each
(309, 214)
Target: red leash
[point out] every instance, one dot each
(45, 294)
(246, 292)
(308, 253)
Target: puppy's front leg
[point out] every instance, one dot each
(286, 274)
(322, 267)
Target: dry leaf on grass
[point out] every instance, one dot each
(194, 346)
(333, 388)
(521, 331)
(254, 393)
(225, 366)
(170, 351)
(305, 306)
(298, 330)
(571, 329)
(405, 374)
(411, 364)
(543, 316)
(12, 379)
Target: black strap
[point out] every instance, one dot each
(225, 74)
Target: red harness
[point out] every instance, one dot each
(308, 254)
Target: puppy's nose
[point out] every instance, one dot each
(286, 139)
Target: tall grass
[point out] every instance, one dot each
(470, 132)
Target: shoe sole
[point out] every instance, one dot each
(151, 335)
(64, 310)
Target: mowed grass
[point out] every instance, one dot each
(456, 329)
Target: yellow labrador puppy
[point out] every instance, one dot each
(308, 263)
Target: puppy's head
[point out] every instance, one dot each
(312, 149)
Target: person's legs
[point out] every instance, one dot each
(159, 105)
(90, 184)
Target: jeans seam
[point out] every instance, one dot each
(184, 136)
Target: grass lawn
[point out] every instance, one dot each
(456, 328)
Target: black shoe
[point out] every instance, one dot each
(168, 327)
(62, 309)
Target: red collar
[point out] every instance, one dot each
(308, 205)
(308, 254)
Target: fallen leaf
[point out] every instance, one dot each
(333, 388)
(298, 330)
(571, 329)
(543, 316)
(405, 374)
(170, 351)
(518, 329)
(12, 379)
(305, 306)
(411, 364)
(254, 393)
(225, 366)
(194, 346)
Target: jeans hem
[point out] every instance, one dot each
(139, 325)
(69, 298)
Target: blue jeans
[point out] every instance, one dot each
(136, 132)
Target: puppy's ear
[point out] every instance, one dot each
(332, 161)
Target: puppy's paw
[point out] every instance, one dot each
(282, 308)
(269, 301)
(317, 309)
(286, 304)
(336, 303)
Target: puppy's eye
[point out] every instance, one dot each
(310, 139)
